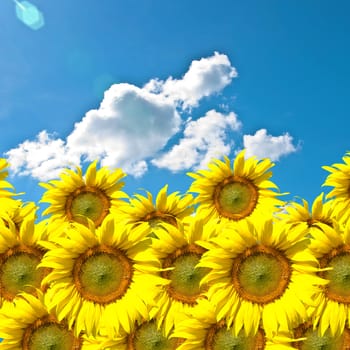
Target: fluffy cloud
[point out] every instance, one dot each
(263, 145)
(204, 77)
(203, 139)
(42, 158)
(132, 125)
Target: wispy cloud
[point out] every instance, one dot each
(133, 124)
(42, 158)
(262, 145)
(203, 139)
(204, 77)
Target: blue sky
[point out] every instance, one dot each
(158, 87)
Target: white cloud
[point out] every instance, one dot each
(42, 158)
(263, 145)
(131, 125)
(204, 77)
(203, 139)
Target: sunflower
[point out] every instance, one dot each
(167, 208)
(27, 324)
(339, 178)
(15, 210)
(235, 193)
(3, 183)
(75, 198)
(143, 335)
(201, 331)
(102, 276)
(309, 337)
(179, 253)
(20, 254)
(147, 336)
(297, 214)
(332, 249)
(257, 275)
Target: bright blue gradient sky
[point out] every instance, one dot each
(292, 59)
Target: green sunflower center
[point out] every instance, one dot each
(261, 275)
(19, 273)
(51, 337)
(47, 334)
(221, 338)
(102, 274)
(338, 288)
(235, 197)
(314, 341)
(185, 276)
(87, 202)
(225, 340)
(148, 337)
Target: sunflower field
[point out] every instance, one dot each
(227, 265)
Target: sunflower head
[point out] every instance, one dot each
(148, 336)
(339, 179)
(235, 192)
(15, 210)
(255, 269)
(167, 208)
(310, 337)
(20, 255)
(76, 198)
(320, 214)
(220, 337)
(180, 269)
(179, 252)
(338, 260)
(202, 329)
(104, 272)
(261, 274)
(144, 334)
(27, 324)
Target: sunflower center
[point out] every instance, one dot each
(148, 337)
(87, 202)
(235, 197)
(102, 274)
(18, 271)
(314, 341)
(261, 274)
(221, 338)
(338, 288)
(48, 334)
(185, 276)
